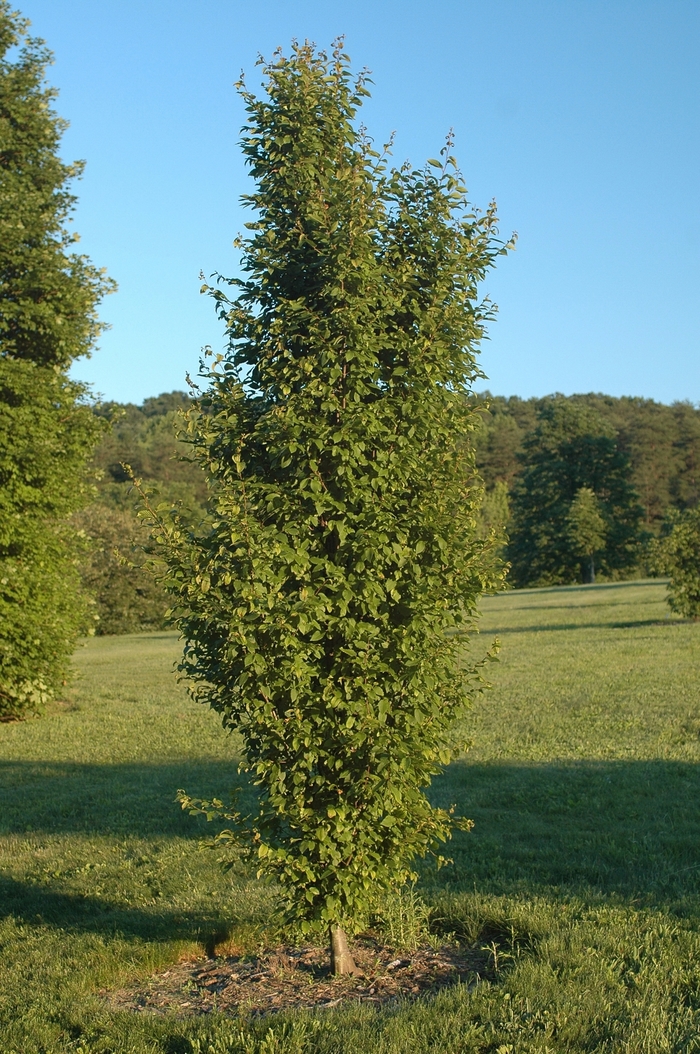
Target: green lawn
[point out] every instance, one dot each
(582, 872)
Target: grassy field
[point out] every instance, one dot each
(582, 874)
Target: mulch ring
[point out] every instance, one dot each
(299, 978)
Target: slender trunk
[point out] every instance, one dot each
(342, 961)
(592, 578)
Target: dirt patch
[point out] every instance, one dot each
(299, 978)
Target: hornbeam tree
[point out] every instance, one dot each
(48, 317)
(325, 602)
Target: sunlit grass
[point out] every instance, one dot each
(582, 874)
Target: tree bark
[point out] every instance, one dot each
(342, 961)
(588, 571)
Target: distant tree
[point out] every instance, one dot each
(661, 442)
(686, 485)
(325, 604)
(495, 510)
(587, 528)
(127, 598)
(48, 317)
(678, 555)
(570, 448)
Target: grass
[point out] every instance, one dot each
(582, 874)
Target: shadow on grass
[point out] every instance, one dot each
(36, 905)
(629, 829)
(551, 627)
(134, 799)
(616, 828)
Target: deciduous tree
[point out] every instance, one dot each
(571, 448)
(324, 604)
(587, 528)
(678, 555)
(48, 304)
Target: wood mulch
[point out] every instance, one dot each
(299, 978)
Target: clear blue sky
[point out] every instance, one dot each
(579, 116)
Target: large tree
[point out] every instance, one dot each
(48, 304)
(324, 603)
(571, 449)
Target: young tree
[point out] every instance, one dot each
(678, 554)
(48, 302)
(587, 528)
(570, 448)
(325, 602)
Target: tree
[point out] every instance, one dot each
(127, 598)
(325, 601)
(661, 442)
(48, 303)
(587, 528)
(678, 554)
(570, 448)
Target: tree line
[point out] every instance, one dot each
(586, 483)
(556, 462)
(661, 443)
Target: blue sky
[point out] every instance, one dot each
(579, 116)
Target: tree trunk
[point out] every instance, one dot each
(588, 571)
(342, 961)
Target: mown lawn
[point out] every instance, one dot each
(582, 873)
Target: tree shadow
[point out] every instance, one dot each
(555, 627)
(131, 798)
(36, 905)
(626, 828)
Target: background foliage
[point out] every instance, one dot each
(571, 449)
(127, 597)
(48, 317)
(661, 442)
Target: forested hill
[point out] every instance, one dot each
(144, 437)
(662, 443)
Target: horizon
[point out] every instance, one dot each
(486, 393)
